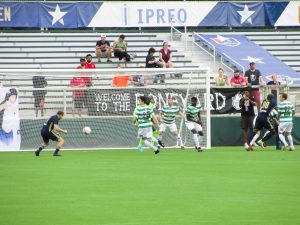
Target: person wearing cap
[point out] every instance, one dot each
(103, 49)
(254, 78)
(237, 80)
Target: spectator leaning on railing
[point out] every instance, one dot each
(237, 80)
(274, 82)
(254, 78)
(103, 49)
(221, 79)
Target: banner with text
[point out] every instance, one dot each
(122, 102)
(148, 14)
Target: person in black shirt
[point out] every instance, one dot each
(50, 131)
(274, 82)
(247, 104)
(262, 121)
(254, 78)
(103, 49)
(151, 62)
(39, 95)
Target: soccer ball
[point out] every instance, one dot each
(86, 130)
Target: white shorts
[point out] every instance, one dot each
(192, 125)
(172, 127)
(285, 127)
(145, 132)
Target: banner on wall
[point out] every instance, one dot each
(148, 14)
(121, 102)
(10, 136)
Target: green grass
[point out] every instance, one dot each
(224, 186)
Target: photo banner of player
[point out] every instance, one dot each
(10, 136)
(123, 101)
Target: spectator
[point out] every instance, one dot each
(151, 62)
(39, 95)
(120, 50)
(103, 49)
(247, 104)
(237, 80)
(82, 63)
(275, 83)
(78, 95)
(254, 78)
(89, 65)
(165, 56)
(221, 79)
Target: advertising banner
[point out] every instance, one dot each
(148, 14)
(10, 136)
(122, 102)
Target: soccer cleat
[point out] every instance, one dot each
(140, 148)
(250, 148)
(37, 152)
(56, 154)
(246, 145)
(199, 149)
(261, 144)
(157, 151)
(161, 144)
(182, 147)
(292, 149)
(286, 148)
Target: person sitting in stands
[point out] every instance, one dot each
(103, 49)
(120, 50)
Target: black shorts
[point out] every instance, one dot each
(247, 122)
(49, 135)
(78, 103)
(122, 55)
(262, 122)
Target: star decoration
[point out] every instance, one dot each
(255, 60)
(246, 15)
(57, 16)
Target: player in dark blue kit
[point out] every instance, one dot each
(263, 121)
(50, 131)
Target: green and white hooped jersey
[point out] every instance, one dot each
(192, 112)
(169, 114)
(144, 115)
(273, 113)
(285, 110)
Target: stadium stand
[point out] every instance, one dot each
(285, 46)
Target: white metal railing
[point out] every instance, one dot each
(232, 60)
(172, 29)
(213, 55)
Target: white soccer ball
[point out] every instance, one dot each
(86, 130)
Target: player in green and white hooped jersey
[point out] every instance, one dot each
(286, 112)
(167, 118)
(144, 116)
(193, 122)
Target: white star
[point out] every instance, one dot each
(57, 15)
(246, 15)
(255, 60)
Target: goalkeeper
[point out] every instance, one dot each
(144, 116)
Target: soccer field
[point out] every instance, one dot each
(223, 186)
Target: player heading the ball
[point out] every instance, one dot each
(50, 131)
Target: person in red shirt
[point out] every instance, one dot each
(89, 65)
(82, 63)
(237, 80)
(78, 95)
